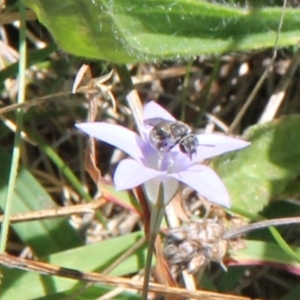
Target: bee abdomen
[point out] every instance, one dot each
(179, 129)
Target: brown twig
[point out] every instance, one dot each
(57, 212)
(251, 97)
(7, 18)
(276, 99)
(96, 278)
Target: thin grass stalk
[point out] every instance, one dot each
(18, 139)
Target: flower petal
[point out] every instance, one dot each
(130, 174)
(216, 144)
(206, 182)
(170, 187)
(152, 110)
(116, 135)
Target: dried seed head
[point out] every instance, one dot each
(193, 246)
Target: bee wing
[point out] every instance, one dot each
(156, 121)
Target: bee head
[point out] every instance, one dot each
(188, 144)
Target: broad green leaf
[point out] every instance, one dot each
(143, 30)
(260, 173)
(265, 253)
(44, 236)
(230, 279)
(94, 257)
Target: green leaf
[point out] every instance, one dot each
(94, 257)
(257, 174)
(91, 293)
(144, 30)
(266, 253)
(292, 293)
(44, 236)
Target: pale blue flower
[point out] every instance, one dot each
(149, 167)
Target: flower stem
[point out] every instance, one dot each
(157, 213)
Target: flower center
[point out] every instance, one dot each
(165, 161)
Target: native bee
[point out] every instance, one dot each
(167, 134)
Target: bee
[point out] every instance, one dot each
(167, 134)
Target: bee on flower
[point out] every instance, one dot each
(166, 155)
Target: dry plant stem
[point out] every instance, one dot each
(83, 71)
(13, 127)
(136, 108)
(243, 110)
(132, 97)
(277, 98)
(162, 74)
(89, 89)
(89, 207)
(213, 119)
(33, 102)
(241, 113)
(48, 269)
(258, 225)
(7, 18)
